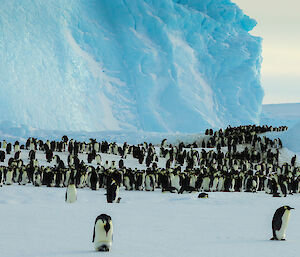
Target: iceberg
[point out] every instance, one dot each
(147, 65)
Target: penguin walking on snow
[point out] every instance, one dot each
(71, 193)
(280, 222)
(103, 233)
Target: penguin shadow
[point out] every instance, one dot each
(81, 252)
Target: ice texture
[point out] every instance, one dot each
(148, 65)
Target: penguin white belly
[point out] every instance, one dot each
(117, 195)
(266, 186)
(254, 185)
(81, 181)
(231, 189)
(127, 183)
(101, 237)
(67, 177)
(24, 178)
(125, 153)
(175, 182)
(97, 147)
(98, 160)
(215, 184)
(32, 146)
(37, 180)
(220, 184)
(9, 178)
(193, 181)
(205, 184)
(280, 234)
(148, 186)
(71, 194)
(17, 148)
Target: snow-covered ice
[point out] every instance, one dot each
(280, 114)
(36, 222)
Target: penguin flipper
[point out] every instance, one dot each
(277, 222)
(94, 234)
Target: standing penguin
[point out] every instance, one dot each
(112, 192)
(71, 193)
(103, 233)
(280, 222)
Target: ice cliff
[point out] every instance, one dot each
(152, 65)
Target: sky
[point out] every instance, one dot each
(278, 23)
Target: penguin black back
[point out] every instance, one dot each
(279, 222)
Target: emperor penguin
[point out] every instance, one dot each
(9, 177)
(203, 195)
(1, 175)
(71, 193)
(280, 221)
(103, 233)
(112, 192)
(149, 182)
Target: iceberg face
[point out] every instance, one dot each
(152, 65)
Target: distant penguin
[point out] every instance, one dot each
(1, 176)
(169, 189)
(2, 156)
(149, 182)
(175, 181)
(112, 192)
(71, 193)
(9, 177)
(187, 189)
(164, 143)
(94, 180)
(37, 177)
(280, 222)
(203, 195)
(103, 233)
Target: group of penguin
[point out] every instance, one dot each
(250, 164)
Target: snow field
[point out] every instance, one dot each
(37, 222)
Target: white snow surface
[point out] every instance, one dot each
(280, 114)
(150, 65)
(36, 222)
(284, 114)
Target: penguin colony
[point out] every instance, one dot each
(236, 159)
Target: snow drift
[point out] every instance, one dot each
(291, 138)
(147, 65)
(280, 114)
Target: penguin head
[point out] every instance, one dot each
(286, 207)
(104, 217)
(105, 222)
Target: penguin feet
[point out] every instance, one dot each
(274, 238)
(103, 248)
